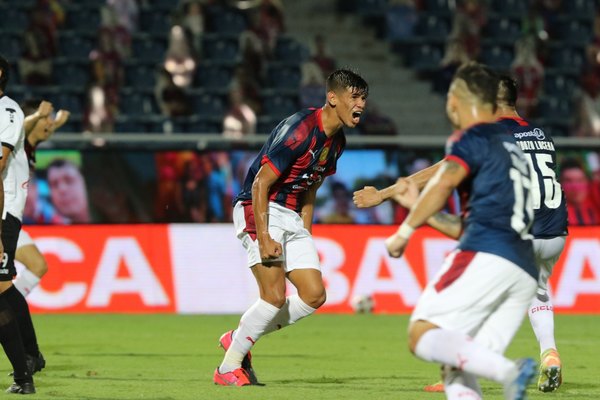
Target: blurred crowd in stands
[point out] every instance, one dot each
(188, 66)
(551, 47)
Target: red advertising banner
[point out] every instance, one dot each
(110, 268)
(355, 263)
(202, 268)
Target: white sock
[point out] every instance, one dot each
(292, 311)
(541, 316)
(251, 328)
(460, 385)
(461, 351)
(26, 281)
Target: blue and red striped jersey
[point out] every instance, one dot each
(548, 198)
(300, 153)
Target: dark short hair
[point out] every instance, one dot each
(481, 81)
(5, 68)
(346, 79)
(507, 90)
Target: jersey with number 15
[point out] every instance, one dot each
(546, 192)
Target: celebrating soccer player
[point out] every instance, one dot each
(273, 219)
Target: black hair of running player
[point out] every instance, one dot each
(341, 79)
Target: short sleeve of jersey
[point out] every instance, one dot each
(287, 146)
(11, 124)
(469, 151)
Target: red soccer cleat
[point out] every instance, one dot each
(237, 377)
(435, 387)
(225, 341)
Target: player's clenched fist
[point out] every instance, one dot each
(269, 248)
(44, 109)
(395, 245)
(367, 197)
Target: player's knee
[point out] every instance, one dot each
(314, 297)
(415, 331)
(274, 297)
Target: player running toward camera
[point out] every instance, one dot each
(468, 314)
(273, 219)
(38, 126)
(549, 228)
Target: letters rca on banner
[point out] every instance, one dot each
(202, 268)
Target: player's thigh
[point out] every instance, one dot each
(547, 253)
(308, 281)
(498, 330)
(470, 286)
(270, 279)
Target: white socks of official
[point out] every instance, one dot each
(262, 318)
(461, 351)
(26, 281)
(541, 316)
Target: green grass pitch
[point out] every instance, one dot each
(348, 357)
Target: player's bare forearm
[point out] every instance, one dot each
(308, 208)
(430, 202)
(370, 196)
(264, 180)
(44, 109)
(62, 116)
(448, 224)
(423, 176)
(435, 194)
(260, 207)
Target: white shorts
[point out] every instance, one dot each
(285, 227)
(547, 252)
(480, 294)
(24, 239)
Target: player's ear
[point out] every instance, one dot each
(331, 98)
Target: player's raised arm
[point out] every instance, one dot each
(62, 116)
(448, 224)
(44, 110)
(265, 178)
(433, 198)
(369, 196)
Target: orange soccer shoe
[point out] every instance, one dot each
(437, 387)
(550, 374)
(225, 341)
(237, 377)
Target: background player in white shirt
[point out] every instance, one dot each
(38, 126)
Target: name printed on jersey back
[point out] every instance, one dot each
(531, 145)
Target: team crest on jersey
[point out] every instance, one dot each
(324, 154)
(12, 112)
